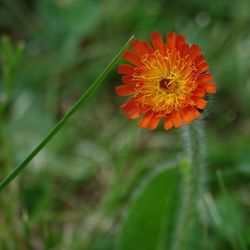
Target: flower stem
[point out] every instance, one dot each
(193, 183)
(64, 119)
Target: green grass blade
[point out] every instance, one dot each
(64, 119)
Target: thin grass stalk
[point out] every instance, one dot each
(65, 118)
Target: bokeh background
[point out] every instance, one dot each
(103, 183)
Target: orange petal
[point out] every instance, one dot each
(144, 122)
(200, 102)
(204, 78)
(210, 87)
(180, 40)
(148, 47)
(141, 47)
(124, 90)
(132, 57)
(168, 124)
(125, 69)
(157, 41)
(191, 102)
(176, 119)
(194, 51)
(144, 108)
(200, 92)
(193, 112)
(184, 50)
(185, 117)
(199, 59)
(131, 109)
(171, 40)
(202, 68)
(127, 79)
(153, 123)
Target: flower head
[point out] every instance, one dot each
(166, 80)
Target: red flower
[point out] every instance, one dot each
(167, 80)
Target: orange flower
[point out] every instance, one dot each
(167, 80)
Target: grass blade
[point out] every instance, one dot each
(64, 119)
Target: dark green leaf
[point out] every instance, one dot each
(149, 218)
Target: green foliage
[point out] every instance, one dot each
(76, 191)
(11, 57)
(83, 99)
(148, 223)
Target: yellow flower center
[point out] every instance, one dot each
(168, 81)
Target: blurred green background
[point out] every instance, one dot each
(102, 183)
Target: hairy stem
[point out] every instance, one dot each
(193, 183)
